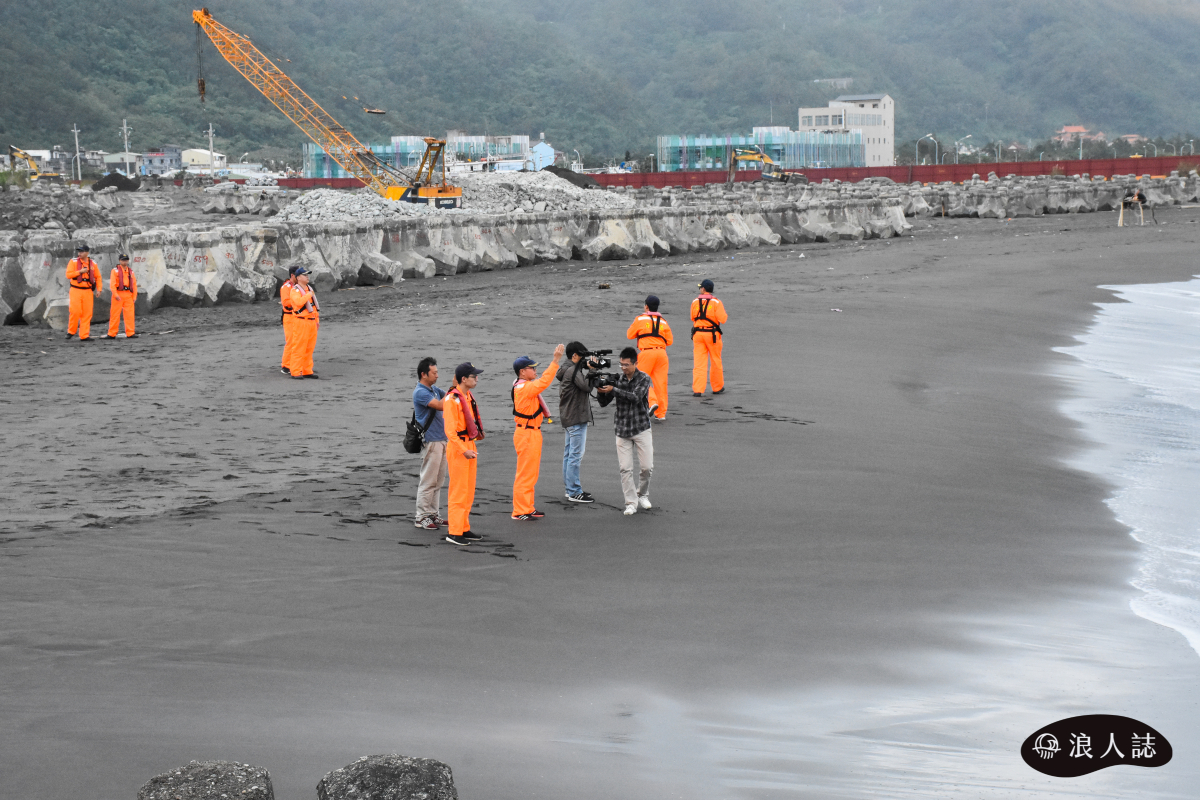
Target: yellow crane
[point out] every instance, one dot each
(16, 153)
(355, 157)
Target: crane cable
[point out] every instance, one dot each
(200, 60)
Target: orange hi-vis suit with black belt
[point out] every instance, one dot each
(529, 412)
(708, 315)
(653, 336)
(306, 319)
(289, 340)
(457, 403)
(84, 277)
(123, 285)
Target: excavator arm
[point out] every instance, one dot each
(319, 125)
(16, 153)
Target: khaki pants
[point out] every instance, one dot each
(644, 444)
(434, 472)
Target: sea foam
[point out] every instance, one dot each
(1137, 372)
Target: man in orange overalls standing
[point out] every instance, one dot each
(529, 412)
(123, 285)
(84, 276)
(289, 340)
(653, 336)
(708, 315)
(306, 319)
(460, 418)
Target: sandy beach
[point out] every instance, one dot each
(870, 570)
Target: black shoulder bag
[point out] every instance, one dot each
(414, 435)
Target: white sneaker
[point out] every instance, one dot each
(644, 501)
(653, 408)
(630, 510)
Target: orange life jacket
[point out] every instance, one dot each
(84, 277)
(124, 279)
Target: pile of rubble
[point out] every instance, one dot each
(51, 207)
(483, 193)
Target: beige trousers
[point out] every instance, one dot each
(434, 471)
(644, 444)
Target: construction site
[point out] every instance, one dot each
(426, 206)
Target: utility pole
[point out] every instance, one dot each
(125, 132)
(78, 166)
(211, 171)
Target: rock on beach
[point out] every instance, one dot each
(389, 777)
(210, 780)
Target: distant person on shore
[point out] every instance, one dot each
(463, 429)
(123, 285)
(708, 315)
(529, 412)
(1136, 197)
(84, 276)
(427, 407)
(306, 314)
(653, 337)
(574, 413)
(631, 421)
(287, 320)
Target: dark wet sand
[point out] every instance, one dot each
(868, 571)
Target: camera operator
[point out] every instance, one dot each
(575, 412)
(631, 421)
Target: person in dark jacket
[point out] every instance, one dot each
(574, 412)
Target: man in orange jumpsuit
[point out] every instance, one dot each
(285, 301)
(460, 418)
(306, 319)
(84, 276)
(123, 285)
(653, 336)
(529, 412)
(708, 315)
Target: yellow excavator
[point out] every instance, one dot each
(16, 153)
(770, 170)
(356, 158)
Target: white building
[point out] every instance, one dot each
(198, 159)
(873, 114)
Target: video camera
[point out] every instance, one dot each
(596, 361)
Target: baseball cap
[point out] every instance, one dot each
(706, 285)
(464, 369)
(83, 248)
(523, 362)
(300, 271)
(122, 257)
(652, 302)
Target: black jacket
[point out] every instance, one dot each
(574, 405)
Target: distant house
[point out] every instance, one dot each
(1132, 138)
(116, 162)
(164, 160)
(873, 114)
(1073, 133)
(198, 159)
(542, 155)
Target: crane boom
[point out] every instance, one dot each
(341, 145)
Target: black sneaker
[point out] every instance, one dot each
(471, 536)
(70, 336)
(537, 514)
(697, 394)
(582, 497)
(461, 541)
(720, 391)
(522, 516)
(132, 335)
(285, 371)
(312, 375)
(106, 336)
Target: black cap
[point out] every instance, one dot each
(83, 248)
(652, 302)
(706, 285)
(122, 257)
(466, 369)
(300, 271)
(523, 362)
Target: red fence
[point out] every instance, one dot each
(957, 173)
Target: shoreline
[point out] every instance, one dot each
(920, 539)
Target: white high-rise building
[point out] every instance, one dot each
(873, 114)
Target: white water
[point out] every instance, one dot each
(1138, 379)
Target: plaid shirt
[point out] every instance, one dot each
(632, 415)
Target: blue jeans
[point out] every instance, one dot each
(573, 447)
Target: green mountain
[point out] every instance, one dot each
(600, 76)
